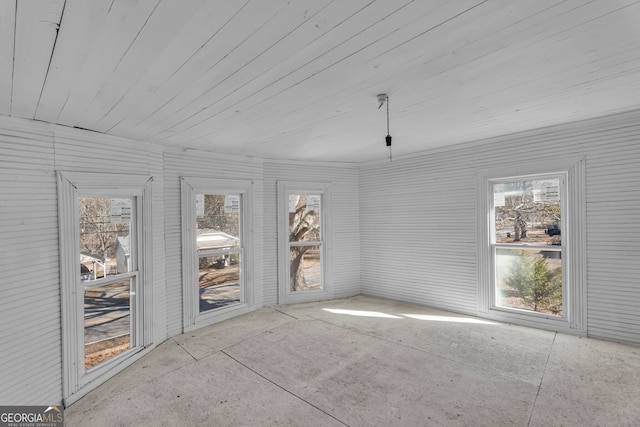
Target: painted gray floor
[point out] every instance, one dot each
(366, 361)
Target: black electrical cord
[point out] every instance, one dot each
(388, 137)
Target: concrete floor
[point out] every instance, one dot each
(366, 361)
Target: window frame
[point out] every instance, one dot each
(573, 319)
(190, 187)
(284, 189)
(566, 257)
(71, 186)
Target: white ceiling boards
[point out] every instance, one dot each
(298, 79)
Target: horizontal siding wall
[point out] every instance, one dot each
(30, 335)
(81, 151)
(30, 155)
(203, 164)
(424, 210)
(345, 222)
(613, 237)
(418, 232)
(403, 229)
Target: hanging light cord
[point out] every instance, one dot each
(388, 131)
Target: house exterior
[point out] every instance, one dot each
(123, 253)
(209, 239)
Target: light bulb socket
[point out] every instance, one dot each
(388, 139)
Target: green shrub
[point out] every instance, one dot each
(539, 287)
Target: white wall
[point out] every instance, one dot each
(30, 335)
(31, 153)
(404, 230)
(418, 219)
(30, 332)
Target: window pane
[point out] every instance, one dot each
(217, 237)
(104, 236)
(107, 322)
(218, 214)
(305, 271)
(219, 281)
(528, 212)
(529, 280)
(304, 217)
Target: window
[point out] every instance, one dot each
(305, 242)
(304, 248)
(216, 232)
(531, 246)
(106, 254)
(109, 274)
(527, 244)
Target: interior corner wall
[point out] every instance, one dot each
(418, 219)
(345, 222)
(30, 154)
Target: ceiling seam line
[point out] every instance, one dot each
(297, 69)
(187, 61)
(272, 83)
(253, 59)
(238, 46)
(53, 49)
(172, 74)
(13, 64)
(125, 52)
(217, 62)
(433, 28)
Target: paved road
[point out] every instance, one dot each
(104, 320)
(102, 323)
(219, 296)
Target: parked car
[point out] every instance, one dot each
(85, 273)
(554, 231)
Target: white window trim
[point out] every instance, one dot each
(77, 382)
(566, 257)
(284, 188)
(190, 186)
(573, 243)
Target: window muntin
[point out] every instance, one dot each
(526, 244)
(305, 242)
(218, 238)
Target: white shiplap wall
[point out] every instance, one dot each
(417, 229)
(30, 332)
(203, 164)
(403, 230)
(30, 154)
(81, 151)
(418, 219)
(345, 222)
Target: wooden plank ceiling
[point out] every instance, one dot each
(298, 79)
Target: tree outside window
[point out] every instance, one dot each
(304, 226)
